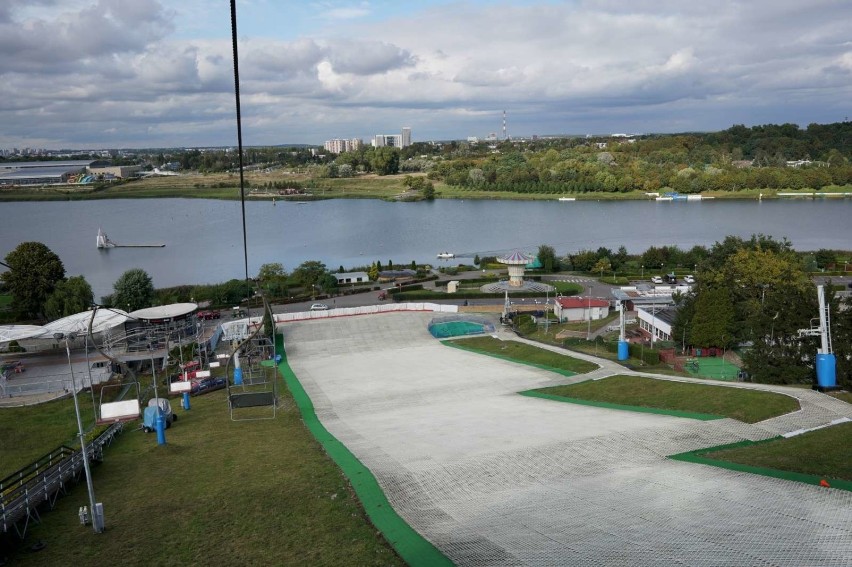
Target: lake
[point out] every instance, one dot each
(204, 238)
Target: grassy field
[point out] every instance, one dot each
(567, 288)
(219, 493)
(845, 396)
(825, 452)
(749, 406)
(526, 353)
(27, 433)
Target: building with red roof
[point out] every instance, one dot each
(580, 308)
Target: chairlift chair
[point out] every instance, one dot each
(257, 390)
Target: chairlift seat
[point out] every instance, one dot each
(123, 410)
(252, 399)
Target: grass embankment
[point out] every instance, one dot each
(823, 452)
(27, 433)
(219, 493)
(845, 396)
(749, 406)
(520, 352)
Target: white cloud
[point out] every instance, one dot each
(101, 71)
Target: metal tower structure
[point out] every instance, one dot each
(825, 360)
(505, 136)
(623, 347)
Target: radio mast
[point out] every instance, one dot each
(505, 136)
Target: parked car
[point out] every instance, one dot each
(319, 307)
(657, 280)
(206, 385)
(689, 279)
(12, 366)
(208, 315)
(149, 416)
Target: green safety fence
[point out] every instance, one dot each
(411, 546)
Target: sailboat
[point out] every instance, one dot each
(103, 240)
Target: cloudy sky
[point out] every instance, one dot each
(159, 73)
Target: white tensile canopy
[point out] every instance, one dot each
(78, 323)
(9, 333)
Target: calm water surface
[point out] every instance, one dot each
(204, 238)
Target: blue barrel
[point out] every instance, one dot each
(186, 400)
(825, 368)
(238, 376)
(623, 350)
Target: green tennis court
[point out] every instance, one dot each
(455, 329)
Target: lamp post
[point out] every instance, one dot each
(643, 272)
(546, 314)
(97, 519)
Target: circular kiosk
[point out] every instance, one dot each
(516, 262)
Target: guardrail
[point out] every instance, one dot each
(23, 492)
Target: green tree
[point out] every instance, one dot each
(34, 271)
(476, 260)
(602, 266)
(271, 271)
(428, 191)
(583, 261)
(309, 274)
(373, 272)
(547, 257)
(385, 161)
(842, 340)
(714, 317)
(825, 258)
(70, 296)
(273, 279)
(133, 290)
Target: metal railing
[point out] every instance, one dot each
(23, 492)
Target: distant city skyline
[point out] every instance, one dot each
(148, 74)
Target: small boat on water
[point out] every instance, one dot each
(567, 199)
(445, 255)
(104, 241)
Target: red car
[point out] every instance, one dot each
(11, 366)
(207, 315)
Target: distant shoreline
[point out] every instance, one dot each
(389, 192)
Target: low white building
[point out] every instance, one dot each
(352, 277)
(657, 321)
(580, 308)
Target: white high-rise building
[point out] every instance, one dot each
(393, 140)
(338, 146)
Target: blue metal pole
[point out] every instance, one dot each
(160, 424)
(238, 372)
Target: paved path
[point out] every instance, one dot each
(494, 478)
